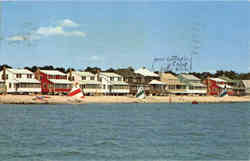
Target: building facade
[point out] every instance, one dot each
(19, 81)
(193, 84)
(237, 86)
(173, 84)
(148, 75)
(157, 88)
(2, 86)
(53, 81)
(153, 85)
(215, 86)
(112, 84)
(133, 79)
(87, 81)
(246, 86)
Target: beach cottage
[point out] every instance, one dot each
(215, 86)
(20, 81)
(87, 81)
(237, 86)
(148, 75)
(53, 81)
(193, 84)
(173, 84)
(156, 87)
(112, 84)
(133, 79)
(246, 86)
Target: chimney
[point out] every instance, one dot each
(70, 75)
(37, 74)
(4, 74)
(98, 74)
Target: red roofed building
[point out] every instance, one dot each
(53, 82)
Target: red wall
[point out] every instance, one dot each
(215, 90)
(45, 84)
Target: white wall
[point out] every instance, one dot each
(13, 81)
(106, 80)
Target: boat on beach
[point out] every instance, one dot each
(76, 92)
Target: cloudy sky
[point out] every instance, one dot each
(121, 34)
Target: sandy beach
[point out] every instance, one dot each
(27, 99)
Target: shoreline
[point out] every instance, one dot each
(29, 99)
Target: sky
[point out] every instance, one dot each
(120, 34)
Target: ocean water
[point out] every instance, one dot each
(124, 132)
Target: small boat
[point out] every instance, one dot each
(76, 92)
(223, 93)
(140, 93)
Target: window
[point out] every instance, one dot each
(83, 78)
(171, 87)
(111, 78)
(119, 78)
(72, 78)
(2, 85)
(29, 85)
(92, 78)
(50, 86)
(120, 87)
(92, 86)
(10, 85)
(18, 75)
(29, 75)
(62, 86)
(52, 77)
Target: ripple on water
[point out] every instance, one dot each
(134, 132)
(106, 143)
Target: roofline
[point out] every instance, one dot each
(9, 69)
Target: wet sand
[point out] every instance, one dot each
(27, 99)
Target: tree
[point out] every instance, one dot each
(4, 65)
(92, 70)
(47, 67)
(110, 70)
(61, 69)
(70, 69)
(131, 68)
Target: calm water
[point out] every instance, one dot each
(132, 132)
